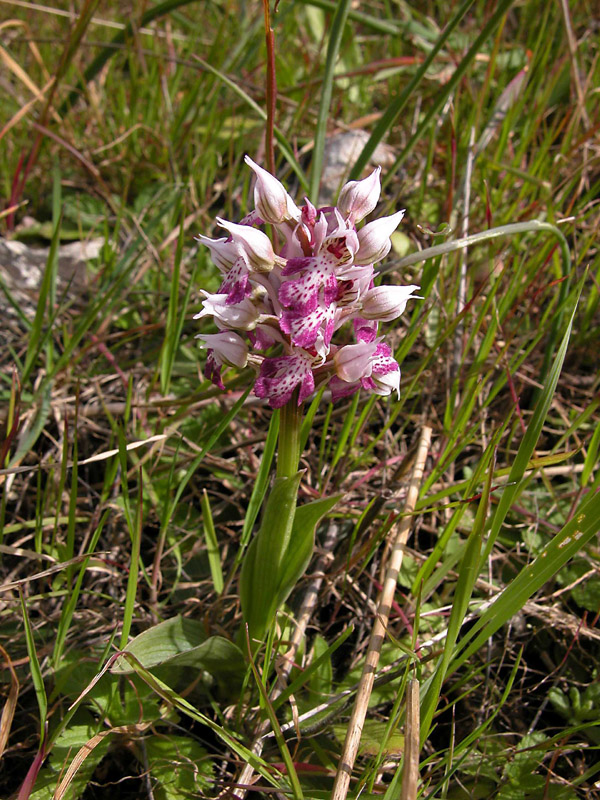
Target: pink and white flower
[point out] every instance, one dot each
(227, 346)
(279, 377)
(272, 202)
(279, 311)
(374, 239)
(256, 245)
(243, 315)
(386, 303)
(224, 252)
(224, 348)
(359, 198)
(354, 361)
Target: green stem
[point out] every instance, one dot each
(288, 451)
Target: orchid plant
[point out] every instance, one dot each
(278, 308)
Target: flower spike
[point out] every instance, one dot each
(279, 309)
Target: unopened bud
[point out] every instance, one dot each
(385, 303)
(354, 361)
(256, 245)
(224, 252)
(374, 239)
(272, 201)
(241, 315)
(228, 347)
(359, 198)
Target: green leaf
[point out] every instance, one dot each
(216, 655)
(302, 543)
(175, 314)
(185, 707)
(48, 778)
(373, 734)
(320, 663)
(162, 642)
(262, 480)
(591, 460)
(212, 544)
(522, 781)
(261, 570)
(36, 672)
(279, 553)
(182, 642)
(320, 681)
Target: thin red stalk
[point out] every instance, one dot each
(453, 146)
(515, 399)
(14, 193)
(271, 93)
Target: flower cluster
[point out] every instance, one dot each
(293, 296)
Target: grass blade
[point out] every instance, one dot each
(279, 738)
(445, 92)
(467, 576)
(135, 531)
(36, 672)
(261, 484)
(175, 315)
(212, 545)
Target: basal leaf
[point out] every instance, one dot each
(162, 642)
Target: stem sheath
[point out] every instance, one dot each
(288, 455)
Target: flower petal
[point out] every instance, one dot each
(224, 252)
(359, 198)
(386, 303)
(374, 239)
(212, 370)
(341, 389)
(241, 315)
(365, 330)
(235, 285)
(303, 326)
(279, 377)
(226, 347)
(272, 201)
(317, 281)
(354, 361)
(257, 245)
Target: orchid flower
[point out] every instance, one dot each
(286, 306)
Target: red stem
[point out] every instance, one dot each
(271, 93)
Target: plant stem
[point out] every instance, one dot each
(288, 454)
(271, 90)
